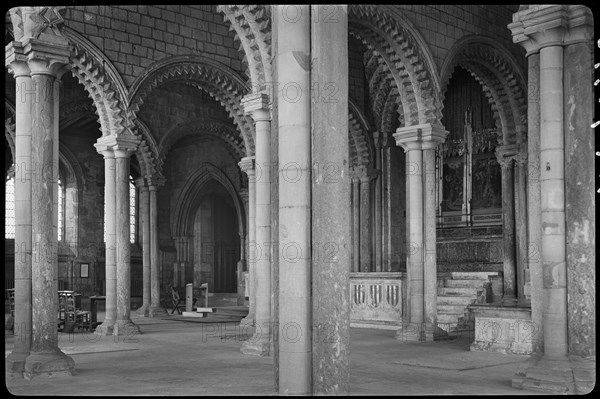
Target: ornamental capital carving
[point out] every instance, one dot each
(257, 106)
(247, 165)
(43, 23)
(541, 26)
(364, 173)
(420, 137)
(506, 154)
(122, 146)
(155, 181)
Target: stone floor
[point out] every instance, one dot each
(173, 358)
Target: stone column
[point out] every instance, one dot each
(356, 223)
(45, 62)
(534, 194)
(123, 149)
(430, 239)
(419, 142)
(24, 170)
(243, 262)
(387, 205)
(247, 165)
(257, 106)
(520, 189)
(292, 28)
(144, 202)
(366, 222)
(377, 233)
(505, 156)
(106, 328)
(546, 30)
(330, 215)
(156, 310)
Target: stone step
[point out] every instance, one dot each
(463, 300)
(448, 318)
(466, 283)
(241, 311)
(458, 291)
(484, 276)
(451, 309)
(219, 299)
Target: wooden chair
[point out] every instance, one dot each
(177, 301)
(76, 317)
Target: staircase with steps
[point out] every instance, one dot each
(458, 291)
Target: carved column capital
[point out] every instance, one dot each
(506, 154)
(541, 26)
(122, 146)
(140, 183)
(247, 165)
(16, 60)
(365, 173)
(156, 181)
(257, 106)
(420, 137)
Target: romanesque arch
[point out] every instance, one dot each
(181, 217)
(205, 127)
(401, 49)
(147, 152)
(361, 151)
(109, 94)
(219, 81)
(501, 78)
(252, 25)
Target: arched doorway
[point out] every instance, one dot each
(206, 225)
(215, 241)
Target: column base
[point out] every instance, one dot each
(143, 311)
(256, 347)
(15, 364)
(509, 301)
(419, 332)
(157, 311)
(126, 328)
(106, 328)
(54, 363)
(563, 375)
(249, 320)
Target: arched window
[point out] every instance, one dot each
(132, 220)
(61, 209)
(132, 211)
(9, 227)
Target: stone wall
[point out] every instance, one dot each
(133, 37)
(182, 161)
(442, 25)
(175, 104)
